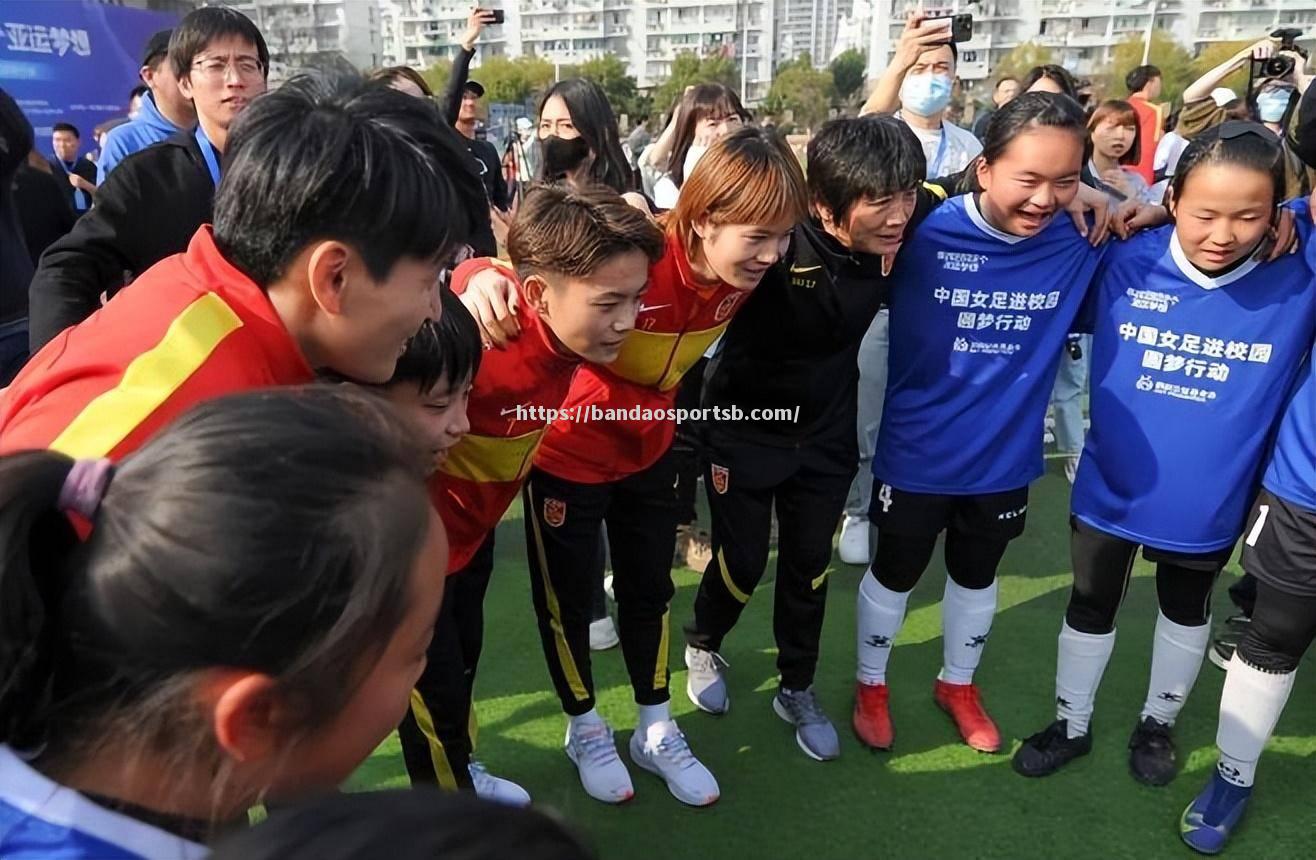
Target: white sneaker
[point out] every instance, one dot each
(603, 634)
(705, 684)
(496, 789)
(591, 748)
(663, 751)
(1071, 468)
(853, 545)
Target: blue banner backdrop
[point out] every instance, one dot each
(73, 61)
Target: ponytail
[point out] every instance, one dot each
(36, 541)
(273, 531)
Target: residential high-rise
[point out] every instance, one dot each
(647, 35)
(316, 32)
(1083, 33)
(808, 26)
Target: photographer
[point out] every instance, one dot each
(1273, 85)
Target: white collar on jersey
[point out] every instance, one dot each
(32, 793)
(1197, 276)
(971, 209)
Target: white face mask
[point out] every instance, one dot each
(925, 95)
(692, 156)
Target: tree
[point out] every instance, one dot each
(437, 74)
(609, 72)
(1022, 59)
(803, 90)
(512, 80)
(689, 69)
(1175, 63)
(1218, 52)
(848, 73)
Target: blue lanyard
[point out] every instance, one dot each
(80, 201)
(209, 154)
(934, 170)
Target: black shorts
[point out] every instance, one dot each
(1205, 562)
(1279, 545)
(998, 516)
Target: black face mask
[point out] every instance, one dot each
(563, 155)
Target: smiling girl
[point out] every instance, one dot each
(982, 298)
(1196, 346)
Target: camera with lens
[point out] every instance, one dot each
(1280, 65)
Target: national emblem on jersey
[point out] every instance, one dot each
(721, 478)
(725, 308)
(555, 512)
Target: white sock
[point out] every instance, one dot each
(651, 714)
(966, 621)
(1249, 708)
(1177, 654)
(590, 717)
(1080, 663)
(881, 613)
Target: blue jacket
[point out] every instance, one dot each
(149, 127)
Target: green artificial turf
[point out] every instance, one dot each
(931, 797)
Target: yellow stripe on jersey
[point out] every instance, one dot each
(438, 755)
(149, 380)
(661, 359)
(735, 592)
(493, 459)
(937, 190)
(664, 644)
(564, 658)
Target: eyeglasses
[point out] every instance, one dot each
(217, 67)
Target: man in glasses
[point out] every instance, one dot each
(155, 200)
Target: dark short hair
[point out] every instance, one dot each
(330, 156)
(1048, 110)
(202, 26)
(66, 126)
(1004, 80)
(1243, 143)
(448, 348)
(1140, 77)
(139, 90)
(853, 159)
(573, 232)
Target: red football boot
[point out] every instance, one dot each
(872, 717)
(964, 704)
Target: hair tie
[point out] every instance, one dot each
(85, 486)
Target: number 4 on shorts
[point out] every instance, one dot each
(884, 496)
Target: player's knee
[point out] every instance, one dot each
(1262, 652)
(1085, 615)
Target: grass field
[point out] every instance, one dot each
(931, 797)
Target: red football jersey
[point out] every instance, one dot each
(191, 328)
(484, 472)
(620, 414)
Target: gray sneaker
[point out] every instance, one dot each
(813, 731)
(706, 686)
